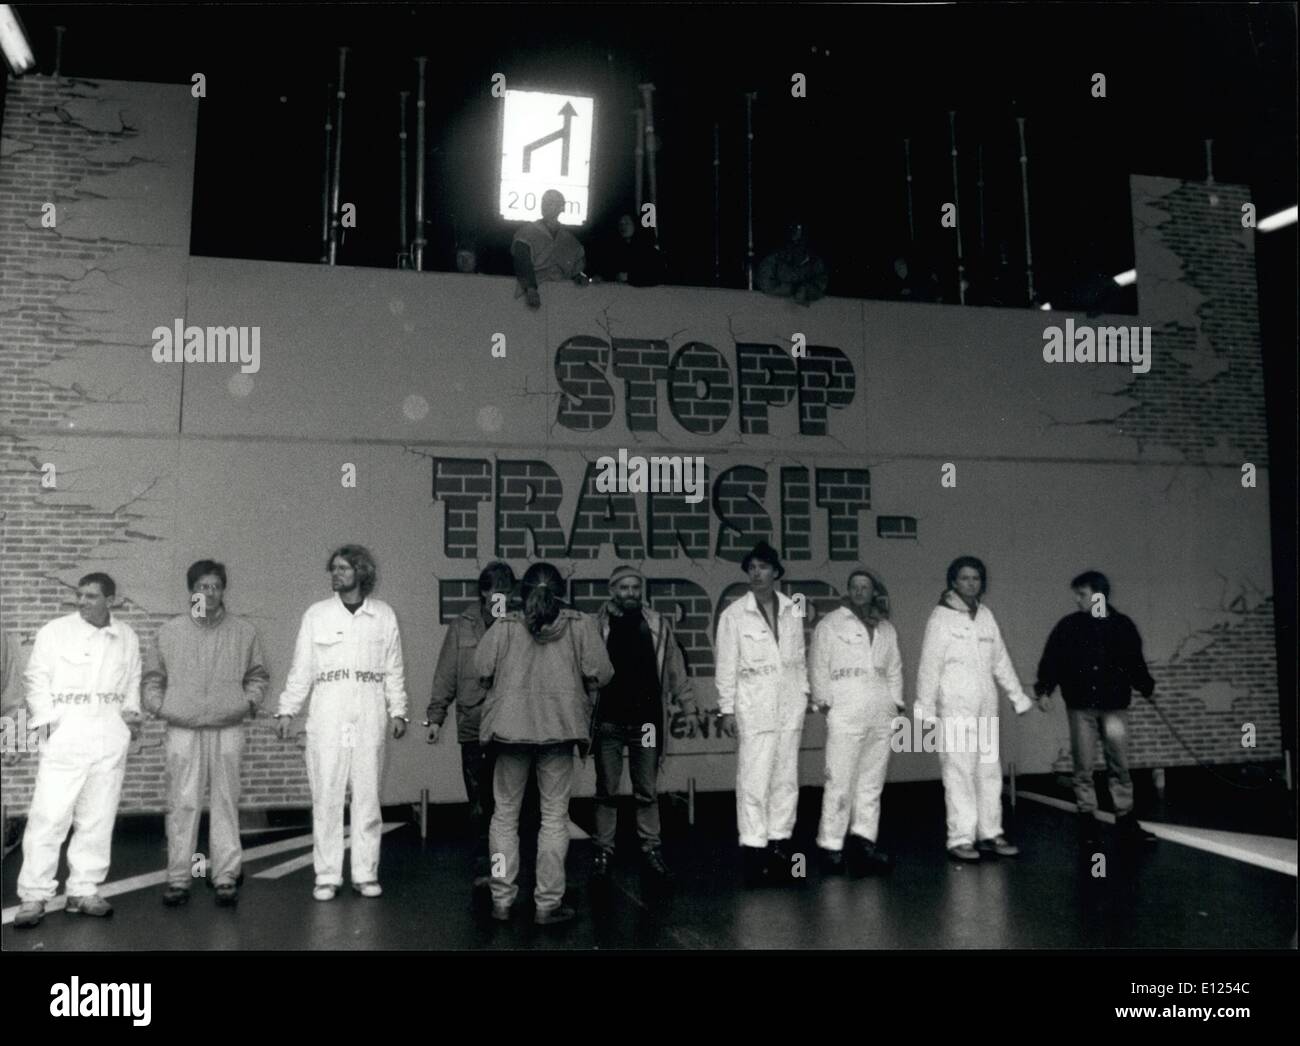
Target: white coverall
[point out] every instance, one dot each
(80, 679)
(766, 687)
(861, 680)
(351, 665)
(963, 662)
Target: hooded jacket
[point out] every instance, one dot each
(761, 680)
(858, 677)
(674, 682)
(1097, 661)
(963, 661)
(541, 691)
(456, 678)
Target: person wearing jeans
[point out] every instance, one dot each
(649, 675)
(1095, 656)
(541, 667)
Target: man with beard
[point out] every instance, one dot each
(857, 678)
(649, 673)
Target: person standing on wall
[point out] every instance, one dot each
(763, 693)
(348, 658)
(857, 675)
(1095, 656)
(649, 674)
(205, 676)
(83, 680)
(963, 662)
(456, 679)
(543, 667)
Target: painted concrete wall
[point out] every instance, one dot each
(462, 455)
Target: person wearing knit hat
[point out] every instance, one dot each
(762, 699)
(633, 713)
(857, 679)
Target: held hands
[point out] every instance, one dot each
(399, 727)
(133, 720)
(434, 730)
(727, 725)
(283, 727)
(533, 299)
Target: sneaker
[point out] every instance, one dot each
(30, 913)
(865, 857)
(600, 863)
(372, 889)
(999, 846)
(91, 904)
(656, 866)
(325, 893)
(227, 894)
(501, 912)
(552, 916)
(964, 852)
(175, 896)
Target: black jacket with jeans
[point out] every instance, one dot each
(1096, 661)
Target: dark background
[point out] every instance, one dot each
(1176, 75)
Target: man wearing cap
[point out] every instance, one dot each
(762, 698)
(633, 710)
(857, 678)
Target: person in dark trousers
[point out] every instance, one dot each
(456, 679)
(649, 673)
(1095, 656)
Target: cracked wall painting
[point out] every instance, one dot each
(463, 456)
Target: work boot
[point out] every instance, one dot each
(227, 895)
(175, 896)
(554, 916)
(999, 846)
(30, 913)
(832, 862)
(91, 904)
(600, 865)
(865, 858)
(757, 872)
(964, 852)
(1130, 830)
(780, 861)
(656, 866)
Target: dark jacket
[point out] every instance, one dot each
(456, 678)
(674, 682)
(1096, 661)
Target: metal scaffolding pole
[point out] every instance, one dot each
(956, 191)
(911, 221)
(749, 188)
(327, 177)
(341, 94)
(1024, 194)
(717, 205)
(638, 150)
(647, 103)
(419, 241)
(403, 254)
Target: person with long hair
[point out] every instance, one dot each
(857, 679)
(542, 666)
(963, 663)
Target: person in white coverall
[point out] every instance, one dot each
(857, 677)
(83, 680)
(963, 662)
(762, 683)
(349, 659)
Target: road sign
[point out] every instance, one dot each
(545, 144)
